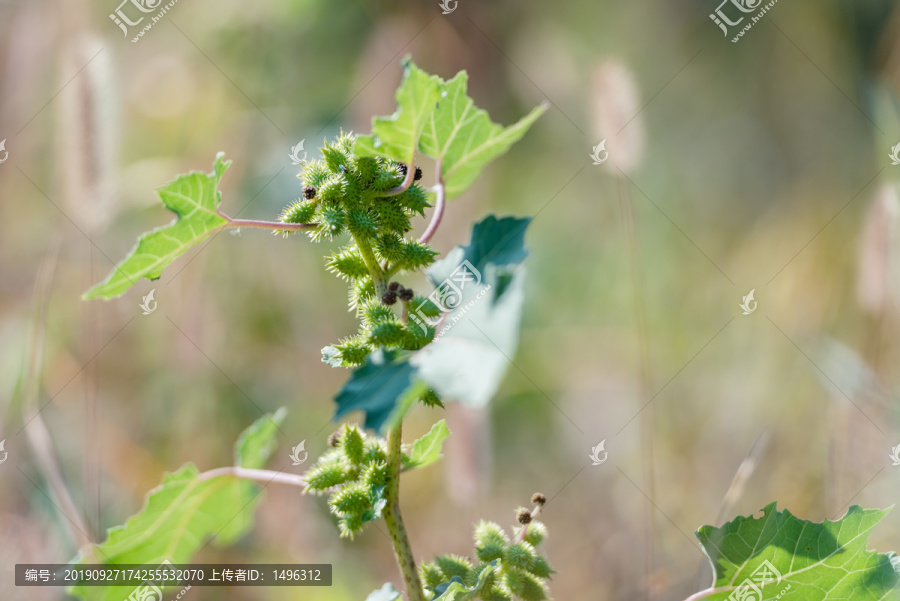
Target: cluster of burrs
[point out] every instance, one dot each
(515, 569)
(372, 200)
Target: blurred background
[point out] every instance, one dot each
(757, 165)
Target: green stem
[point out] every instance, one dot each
(368, 255)
(394, 521)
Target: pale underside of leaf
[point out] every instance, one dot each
(468, 362)
(479, 336)
(385, 593)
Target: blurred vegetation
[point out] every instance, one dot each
(764, 166)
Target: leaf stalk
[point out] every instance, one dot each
(438, 213)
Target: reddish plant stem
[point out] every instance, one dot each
(269, 225)
(406, 183)
(524, 531)
(263, 476)
(438, 211)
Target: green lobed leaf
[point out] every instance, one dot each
(456, 590)
(384, 387)
(183, 512)
(427, 449)
(397, 137)
(479, 332)
(463, 138)
(780, 556)
(195, 199)
(385, 593)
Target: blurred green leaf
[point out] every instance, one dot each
(396, 137)
(257, 443)
(427, 449)
(195, 199)
(463, 137)
(765, 556)
(183, 512)
(384, 387)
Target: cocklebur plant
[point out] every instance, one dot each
(365, 192)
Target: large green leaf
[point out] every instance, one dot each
(383, 388)
(481, 289)
(427, 449)
(184, 512)
(195, 199)
(779, 556)
(463, 138)
(397, 137)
